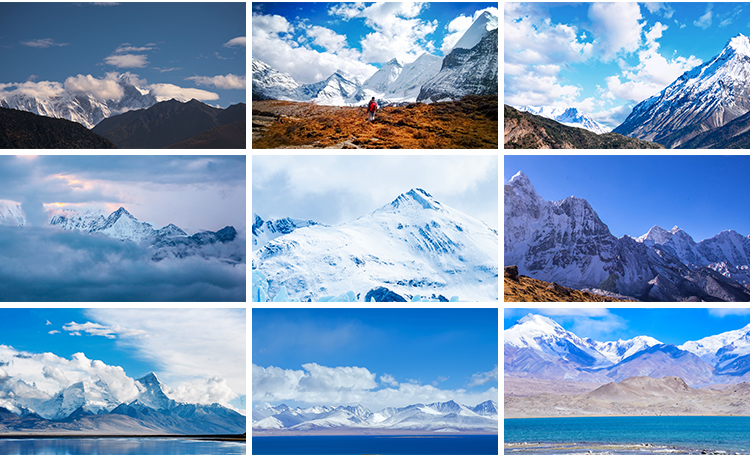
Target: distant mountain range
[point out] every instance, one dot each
(537, 347)
(469, 69)
(21, 129)
(171, 122)
(92, 407)
(526, 130)
(565, 242)
(412, 248)
(706, 107)
(569, 116)
(436, 417)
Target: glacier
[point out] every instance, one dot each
(412, 246)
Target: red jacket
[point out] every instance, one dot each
(373, 106)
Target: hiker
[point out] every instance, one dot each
(371, 108)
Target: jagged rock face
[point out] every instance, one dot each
(566, 242)
(270, 84)
(466, 72)
(704, 98)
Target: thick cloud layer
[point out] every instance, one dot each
(46, 264)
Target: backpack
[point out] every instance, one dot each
(373, 106)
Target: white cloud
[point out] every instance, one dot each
(126, 47)
(323, 385)
(388, 379)
(482, 378)
(52, 332)
(93, 328)
(43, 43)
(43, 89)
(127, 61)
(103, 89)
(326, 38)
(164, 92)
(236, 42)
(204, 391)
(704, 22)
(616, 27)
(230, 81)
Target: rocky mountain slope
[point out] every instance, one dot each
(519, 288)
(436, 417)
(23, 129)
(525, 130)
(413, 247)
(705, 98)
(167, 123)
(92, 407)
(468, 123)
(566, 242)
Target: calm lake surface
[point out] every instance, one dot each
(376, 444)
(77, 446)
(712, 433)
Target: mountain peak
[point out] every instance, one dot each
(418, 196)
(519, 178)
(740, 44)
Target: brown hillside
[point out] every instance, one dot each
(468, 123)
(519, 288)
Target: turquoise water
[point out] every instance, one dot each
(377, 444)
(79, 446)
(731, 434)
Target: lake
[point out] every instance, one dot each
(79, 446)
(688, 433)
(377, 444)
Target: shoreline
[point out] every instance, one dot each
(368, 432)
(583, 448)
(70, 436)
(569, 416)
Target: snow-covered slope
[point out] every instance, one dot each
(385, 76)
(11, 213)
(412, 77)
(413, 246)
(566, 242)
(339, 89)
(265, 231)
(270, 84)
(439, 417)
(569, 116)
(706, 97)
(485, 23)
(82, 108)
(95, 397)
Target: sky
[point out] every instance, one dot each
(193, 49)
(668, 325)
(199, 354)
(374, 357)
(310, 41)
(604, 58)
(335, 189)
(39, 262)
(703, 195)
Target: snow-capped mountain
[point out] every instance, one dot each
(470, 69)
(466, 72)
(535, 347)
(569, 116)
(120, 224)
(11, 213)
(413, 246)
(706, 97)
(566, 242)
(437, 417)
(91, 405)
(265, 231)
(485, 23)
(82, 108)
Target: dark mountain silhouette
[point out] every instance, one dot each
(22, 129)
(166, 123)
(226, 136)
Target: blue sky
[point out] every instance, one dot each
(703, 195)
(198, 353)
(604, 58)
(336, 189)
(197, 47)
(668, 325)
(311, 40)
(376, 357)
